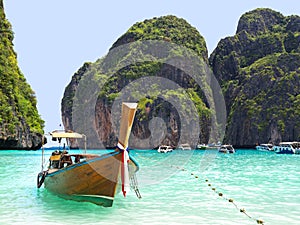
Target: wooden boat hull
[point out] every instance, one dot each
(94, 180)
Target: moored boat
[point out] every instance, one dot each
(287, 148)
(265, 147)
(185, 146)
(226, 149)
(164, 149)
(202, 146)
(91, 177)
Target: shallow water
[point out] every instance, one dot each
(173, 189)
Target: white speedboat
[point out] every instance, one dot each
(226, 149)
(202, 146)
(265, 147)
(164, 149)
(184, 147)
(287, 148)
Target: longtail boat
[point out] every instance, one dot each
(91, 177)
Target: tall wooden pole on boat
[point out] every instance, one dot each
(128, 113)
(43, 152)
(84, 143)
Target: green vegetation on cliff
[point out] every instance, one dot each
(166, 28)
(18, 112)
(259, 70)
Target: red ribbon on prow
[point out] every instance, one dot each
(124, 169)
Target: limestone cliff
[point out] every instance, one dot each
(20, 124)
(258, 69)
(169, 29)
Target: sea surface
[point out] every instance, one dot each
(181, 187)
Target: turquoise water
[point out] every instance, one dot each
(266, 185)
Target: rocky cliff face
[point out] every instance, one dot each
(156, 110)
(258, 69)
(20, 124)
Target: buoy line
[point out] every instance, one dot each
(220, 194)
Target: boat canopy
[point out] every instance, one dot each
(286, 143)
(63, 134)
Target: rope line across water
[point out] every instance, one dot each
(220, 194)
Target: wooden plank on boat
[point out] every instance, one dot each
(128, 113)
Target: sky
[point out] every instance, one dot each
(54, 38)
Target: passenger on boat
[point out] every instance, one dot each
(55, 159)
(65, 158)
(77, 158)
